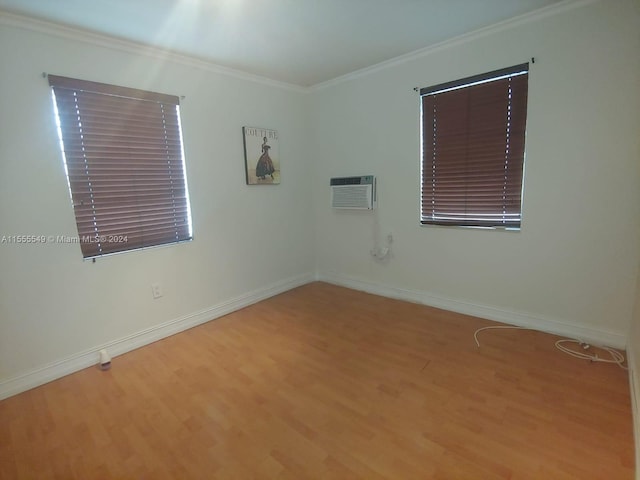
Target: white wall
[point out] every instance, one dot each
(249, 241)
(633, 343)
(572, 268)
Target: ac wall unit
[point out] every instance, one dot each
(357, 193)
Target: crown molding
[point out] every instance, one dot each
(77, 34)
(539, 14)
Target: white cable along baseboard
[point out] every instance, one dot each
(65, 366)
(520, 319)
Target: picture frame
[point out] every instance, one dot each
(261, 156)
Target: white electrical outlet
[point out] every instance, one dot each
(156, 290)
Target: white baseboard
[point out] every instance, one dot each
(89, 357)
(634, 385)
(520, 319)
(79, 361)
(590, 335)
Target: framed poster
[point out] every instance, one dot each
(261, 156)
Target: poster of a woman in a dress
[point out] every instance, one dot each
(261, 156)
(265, 164)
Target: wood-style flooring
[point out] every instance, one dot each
(324, 382)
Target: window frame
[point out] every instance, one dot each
(124, 163)
(459, 174)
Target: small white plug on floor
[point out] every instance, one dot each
(105, 360)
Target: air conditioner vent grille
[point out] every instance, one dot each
(353, 192)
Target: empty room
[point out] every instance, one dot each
(284, 239)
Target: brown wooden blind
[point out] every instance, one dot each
(473, 139)
(123, 155)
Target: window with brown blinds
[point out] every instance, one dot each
(124, 160)
(473, 139)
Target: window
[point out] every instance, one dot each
(473, 135)
(124, 162)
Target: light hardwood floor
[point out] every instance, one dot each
(324, 382)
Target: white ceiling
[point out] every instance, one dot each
(301, 42)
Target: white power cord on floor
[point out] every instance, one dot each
(496, 327)
(616, 356)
